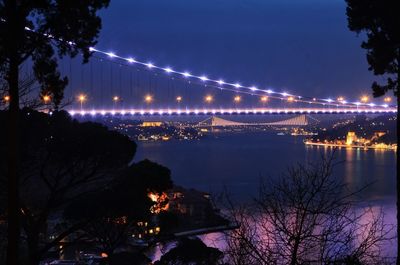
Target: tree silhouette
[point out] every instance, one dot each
(61, 161)
(379, 19)
(191, 251)
(56, 28)
(111, 214)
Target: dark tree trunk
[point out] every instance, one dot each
(33, 248)
(13, 230)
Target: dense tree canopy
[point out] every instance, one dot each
(380, 21)
(61, 161)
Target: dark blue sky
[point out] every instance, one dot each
(301, 46)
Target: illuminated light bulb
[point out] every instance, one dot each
(186, 74)
(237, 99)
(6, 98)
(387, 99)
(148, 98)
(364, 99)
(221, 82)
(208, 98)
(340, 99)
(150, 65)
(46, 99)
(264, 99)
(115, 98)
(237, 85)
(131, 60)
(92, 49)
(253, 88)
(178, 99)
(82, 98)
(269, 91)
(329, 100)
(203, 78)
(290, 99)
(284, 94)
(314, 99)
(111, 54)
(168, 70)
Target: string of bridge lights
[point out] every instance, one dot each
(237, 87)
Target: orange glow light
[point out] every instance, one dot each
(115, 98)
(290, 99)
(364, 99)
(237, 99)
(208, 98)
(148, 98)
(178, 99)
(6, 98)
(387, 99)
(264, 99)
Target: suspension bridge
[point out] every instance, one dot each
(301, 120)
(112, 84)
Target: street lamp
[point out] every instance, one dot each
(46, 99)
(148, 99)
(264, 99)
(387, 99)
(82, 99)
(364, 99)
(6, 98)
(115, 100)
(208, 99)
(237, 99)
(178, 99)
(290, 99)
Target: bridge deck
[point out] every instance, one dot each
(217, 111)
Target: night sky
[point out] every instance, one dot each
(299, 46)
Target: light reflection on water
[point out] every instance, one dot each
(238, 162)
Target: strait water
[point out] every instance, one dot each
(238, 161)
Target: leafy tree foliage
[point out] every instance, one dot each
(61, 160)
(112, 214)
(379, 19)
(40, 31)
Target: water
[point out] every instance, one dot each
(238, 161)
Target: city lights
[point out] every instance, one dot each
(340, 99)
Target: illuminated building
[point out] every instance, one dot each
(350, 138)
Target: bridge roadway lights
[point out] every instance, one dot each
(176, 112)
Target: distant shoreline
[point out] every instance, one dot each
(388, 147)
